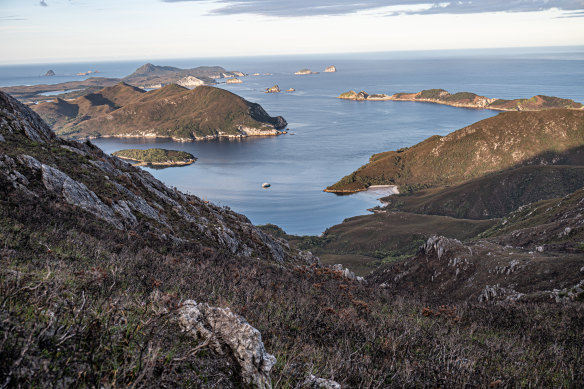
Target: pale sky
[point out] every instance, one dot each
(78, 30)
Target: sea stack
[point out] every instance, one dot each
(234, 81)
(50, 73)
(330, 69)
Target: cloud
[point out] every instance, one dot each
(43, 3)
(340, 7)
(11, 17)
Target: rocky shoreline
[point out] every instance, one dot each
(468, 100)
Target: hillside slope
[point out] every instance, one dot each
(108, 278)
(510, 139)
(535, 253)
(172, 111)
(494, 195)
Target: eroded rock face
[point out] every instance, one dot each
(229, 333)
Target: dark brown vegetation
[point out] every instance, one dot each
(171, 111)
(77, 304)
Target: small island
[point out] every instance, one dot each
(303, 72)
(156, 157)
(469, 100)
(233, 81)
(330, 69)
(274, 89)
(49, 73)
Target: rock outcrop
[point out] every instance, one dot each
(226, 332)
(304, 72)
(190, 82)
(274, 89)
(330, 69)
(233, 81)
(49, 73)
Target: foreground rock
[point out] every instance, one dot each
(226, 332)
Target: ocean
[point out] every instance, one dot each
(328, 137)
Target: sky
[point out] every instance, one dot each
(40, 31)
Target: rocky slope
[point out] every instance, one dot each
(536, 253)
(511, 139)
(470, 100)
(172, 112)
(109, 278)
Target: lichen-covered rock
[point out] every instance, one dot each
(230, 333)
(76, 193)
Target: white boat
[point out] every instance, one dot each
(266, 185)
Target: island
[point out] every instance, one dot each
(234, 81)
(156, 157)
(147, 76)
(290, 90)
(303, 72)
(468, 100)
(274, 89)
(330, 69)
(182, 114)
(49, 73)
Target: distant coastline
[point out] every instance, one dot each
(468, 100)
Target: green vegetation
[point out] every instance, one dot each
(432, 94)
(156, 156)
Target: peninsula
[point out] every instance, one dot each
(505, 141)
(156, 157)
(468, 100)
(172, 111)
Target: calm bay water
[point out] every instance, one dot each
(330, 138)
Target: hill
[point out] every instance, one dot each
(470, 100)
(150, 74)
(172, 112)
(109, 278)
(508, 140)
(536, 243)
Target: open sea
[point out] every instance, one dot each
(328, 137)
